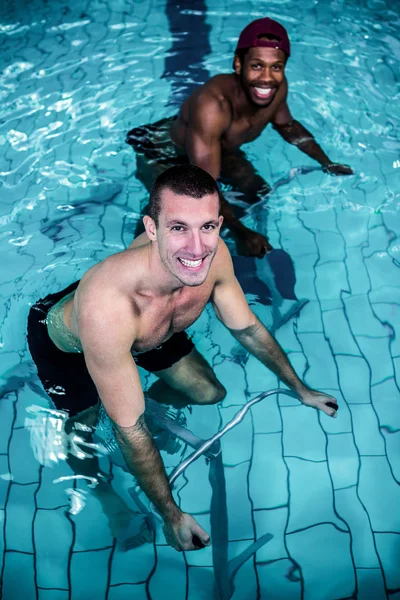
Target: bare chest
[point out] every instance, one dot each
(243, 130)
(159, 320)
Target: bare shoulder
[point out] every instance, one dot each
(220, 87)
(213, 99)
(140, 240)
(104, 302)
(217, 91)
(222, 267)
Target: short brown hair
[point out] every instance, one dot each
(185, 180)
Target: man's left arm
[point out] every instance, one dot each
(232, 309)
(295, 133)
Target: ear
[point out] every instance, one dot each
(150, 227)
(237, 65)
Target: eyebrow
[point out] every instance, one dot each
(175, 222)
(183, 224)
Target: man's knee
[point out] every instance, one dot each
(210, 393)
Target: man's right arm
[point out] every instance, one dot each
(107, 337)
(106, 343)
(208, 120)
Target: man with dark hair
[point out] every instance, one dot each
(196, 183)
(225, 113)
(132, 310)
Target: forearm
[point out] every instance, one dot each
(295, 133)
(144, 462)
(230, 219)
(234, 224)
(261, 344)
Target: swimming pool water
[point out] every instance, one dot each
(75, 77)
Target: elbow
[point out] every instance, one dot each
(126, 429)
(248, 332)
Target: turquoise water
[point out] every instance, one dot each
(74, 79)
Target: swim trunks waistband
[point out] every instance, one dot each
(57, 329)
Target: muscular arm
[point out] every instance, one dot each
(261, 344)
(144, 462)
(295, 133)
(208, 119)
(232, 309)
(107, 333)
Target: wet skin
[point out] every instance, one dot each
(187, 248)
(234, 109)
(187, 240)
(232, 106)
(118, 307)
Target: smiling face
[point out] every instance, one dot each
(261, 74)
(187, 235)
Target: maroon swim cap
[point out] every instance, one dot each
(251, 36)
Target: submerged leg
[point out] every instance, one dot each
(240, 173)
(131, 528)
(276, 270)
(190, 380)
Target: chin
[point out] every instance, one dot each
(193, 281)
(262, 103)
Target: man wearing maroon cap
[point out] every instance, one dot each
(227, 111)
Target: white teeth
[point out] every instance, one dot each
(190, 263)
(264, 92)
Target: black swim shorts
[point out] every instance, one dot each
(64, 375)
(153, 142)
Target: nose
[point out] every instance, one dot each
(268, 75)
(195, 244)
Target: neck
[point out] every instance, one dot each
(163, 283)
